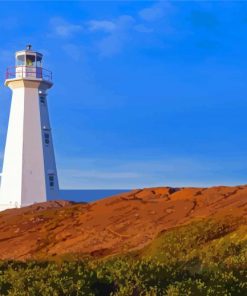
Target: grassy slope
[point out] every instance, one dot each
(208, 243)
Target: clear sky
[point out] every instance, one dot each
(145, 93)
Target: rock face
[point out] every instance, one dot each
(112, 225)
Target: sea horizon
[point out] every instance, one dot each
(88, 195)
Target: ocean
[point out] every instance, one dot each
(88, 195)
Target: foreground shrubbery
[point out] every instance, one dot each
(117, 277)
(203, 258)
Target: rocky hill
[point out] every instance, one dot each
(114, 225)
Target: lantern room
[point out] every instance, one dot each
(28, 65)
(28, 58)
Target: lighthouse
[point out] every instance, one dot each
(29, 172)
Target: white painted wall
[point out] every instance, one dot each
(11, 182)
(33, 171)
(48, 152)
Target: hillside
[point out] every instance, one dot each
(134, 221)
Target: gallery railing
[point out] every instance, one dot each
(28, 72)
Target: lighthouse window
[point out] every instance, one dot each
(39, 58)
(47, 138)
(42, 100)
(51, 181)
(21, 60)
(30, 60)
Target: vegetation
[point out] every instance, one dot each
(203, 258)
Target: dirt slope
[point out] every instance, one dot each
(112, 225)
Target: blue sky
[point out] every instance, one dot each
(146, 93)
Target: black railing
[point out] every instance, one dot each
(28, 72)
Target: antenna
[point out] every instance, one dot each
(29, 47)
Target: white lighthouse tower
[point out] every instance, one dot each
(29, 169)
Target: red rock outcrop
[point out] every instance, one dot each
(111, 225)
